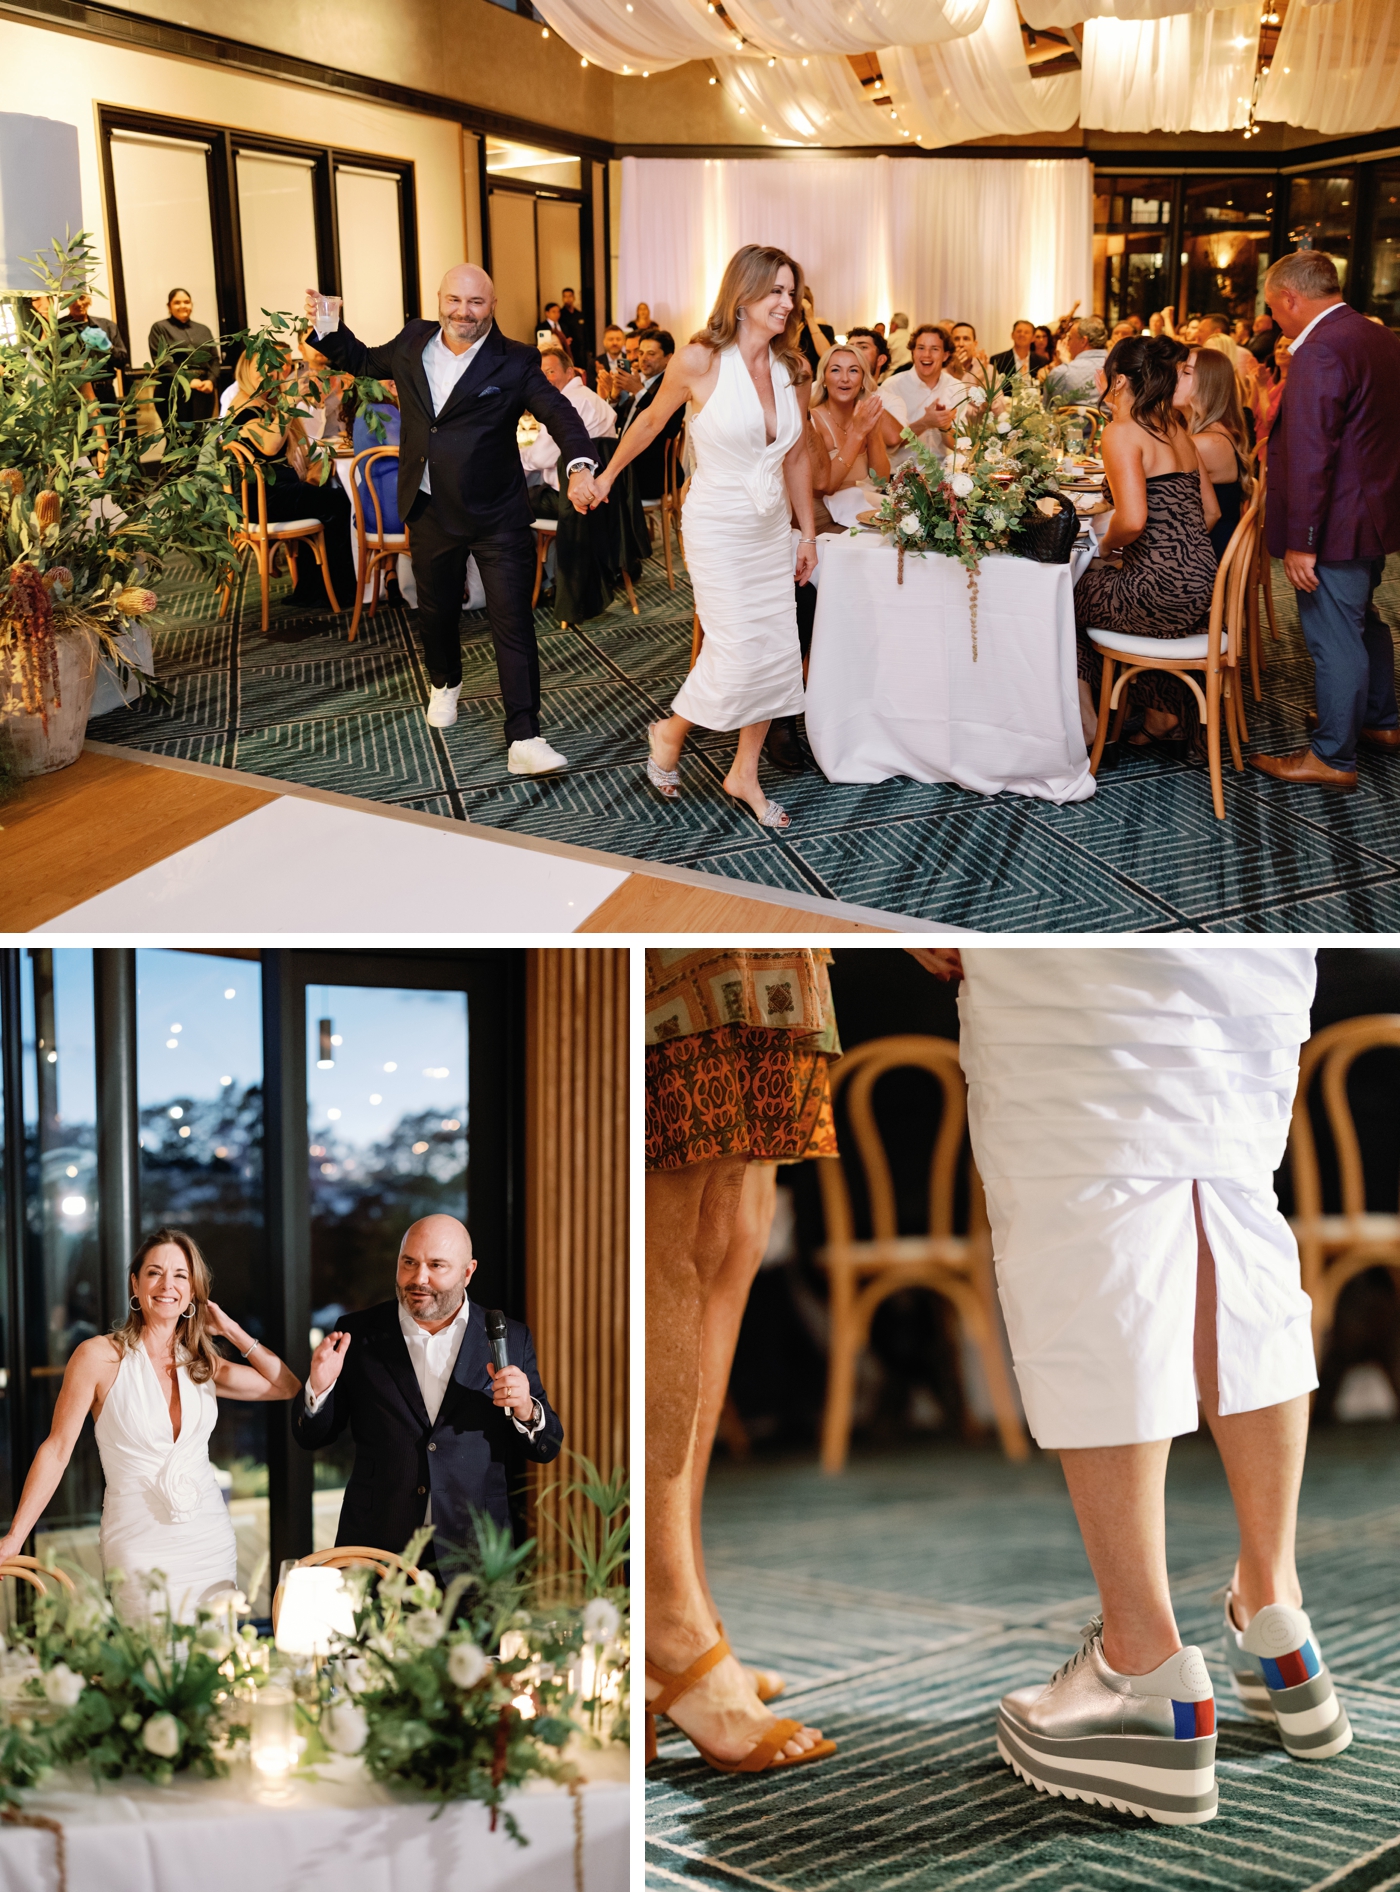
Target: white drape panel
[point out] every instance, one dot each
(1040, 14)
(657, 34)
(982, 239)
(1336, 67)
(977, 86)
(1189, 72)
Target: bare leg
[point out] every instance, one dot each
(690, 1219)
(668, 739)
(1263, 1457)
(1117, 1492)
(742, 779)
(1088, 713)
(724, 1314)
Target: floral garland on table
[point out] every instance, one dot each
(1003, 460)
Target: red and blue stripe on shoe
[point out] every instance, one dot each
(1194, 1718)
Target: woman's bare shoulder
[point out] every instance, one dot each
(696, 359)
(97, 1355)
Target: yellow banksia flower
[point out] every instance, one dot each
(48, 509)
(134, 601)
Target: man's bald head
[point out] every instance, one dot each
(435, 1265)
(466, 303)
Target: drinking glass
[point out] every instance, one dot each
(327, 315)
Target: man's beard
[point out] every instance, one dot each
(467, 332)
(435, 1306)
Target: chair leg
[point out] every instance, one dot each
(631, 594)
(1101, 733)
(983, 1335)
(840, 1371)
(264, 556)
(1266, 578)
(1234, 718)
(1217, 785)
(361, 578)
(318, 547)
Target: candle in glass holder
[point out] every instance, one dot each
(273, 1738)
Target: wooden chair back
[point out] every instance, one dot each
(1330, 1054)
(346, 1557)
(37, 1575)
(249, 467)
(362, 482)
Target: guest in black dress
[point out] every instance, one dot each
(293, 489)
(1160, 582)
(1209, 395)
(178, 341)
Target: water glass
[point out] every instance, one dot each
(327, 316)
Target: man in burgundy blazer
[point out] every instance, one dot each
(1333, 512)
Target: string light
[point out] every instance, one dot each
(545, 33)
(583, 62)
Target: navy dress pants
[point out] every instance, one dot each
(1353, 655)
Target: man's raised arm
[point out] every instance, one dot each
(347, 353)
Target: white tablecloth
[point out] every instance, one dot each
(892, 688)
(344, 1833)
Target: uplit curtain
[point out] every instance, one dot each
(1336, 68)
(653, 35)
(977, 86)
(985, 239)
(1189, 72)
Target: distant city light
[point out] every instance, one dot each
(419, 1149)
(334, 1115)
(71, 1170)
(225, 1080)
(73, 1205)
(176, 1111)
(172, 1044)
(318, 1149)
(184, 1129)
(435, 1070)
(51, 1057)
(222, 1151)
(451, 1123)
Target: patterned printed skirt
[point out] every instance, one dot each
(741, 1090)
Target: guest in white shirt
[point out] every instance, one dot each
(542, 455)
(897, 341)
(440, 1431)
(925, 395)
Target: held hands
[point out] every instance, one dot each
(511, 1390)
(586, 490)
(326, 1363)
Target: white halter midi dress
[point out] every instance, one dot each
(738, 551)
(163, 1509)
(1104, 1085)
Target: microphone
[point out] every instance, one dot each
(496, 1334)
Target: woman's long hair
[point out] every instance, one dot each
(750, 274)
(821, 393)
(1216, 402)
(193, 1341)
(252, 392)
(1149, 364)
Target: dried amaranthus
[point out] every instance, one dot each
(28, 649)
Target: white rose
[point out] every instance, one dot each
(962, 443)
(426, 1582)
(961, 484)
(425, 1627)
(62, 1686)
(466, 1664)
(601, 1621)
(344, 1727)
(162, 1735)
(355, 1674)
(1003, 426)
(909, 523)
(977, 396)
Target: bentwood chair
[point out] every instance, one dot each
(263, 538)
(1091, 418)
(346, 1557)
(1262, 580)
(37, 1575)
(667, 509)
(1334, 1249)
(1213, 653)
(864, 1271)
(377, 549)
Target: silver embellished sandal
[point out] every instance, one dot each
(666, 782)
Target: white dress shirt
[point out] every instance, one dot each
(542, 455)
(444, 370)
(1321, 316)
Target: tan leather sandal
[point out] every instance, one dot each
(767, 1684)
(764, 1757)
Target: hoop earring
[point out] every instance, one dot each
(187, 1311)
(134, 1302)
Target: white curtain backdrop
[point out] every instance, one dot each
(1187, 72)
(631, 36)
(976, 86)
(986, 240)
(1337, 67)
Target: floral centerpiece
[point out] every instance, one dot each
(1002, 462)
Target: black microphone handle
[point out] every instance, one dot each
(499, 1357)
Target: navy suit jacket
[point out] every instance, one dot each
(469, 448)
(472, 1458)
(1334, 452)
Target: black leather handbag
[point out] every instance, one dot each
(1047, 540)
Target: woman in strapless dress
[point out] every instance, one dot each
(152, 1387)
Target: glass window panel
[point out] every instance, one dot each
(557, 240)
(1384, 299)
(529, 164)
(1223, 274)
(1229, 200)
(162, 188)
(387, 1117)
(371, 252)
(199, 1088)
(1321, 210)
(63, 1268)
(277, 218)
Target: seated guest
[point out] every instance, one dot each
(1076, 382)
(1261, 342)
(924, 395)
(873, 351)
(1043, 342)
(384, 473)
(1243, 332)
(1023, 356)
(1213, 331)
(322, 392)
(969, 361)
(1163, 508)
(542, 455)
(614, 355)
(641, 320)
(1120, 332)
(898, 340)
(1209, 393)
(177, 342)
(848, 420)
(298, 486)
(1270, 393)
(1135, 323)
(649, 467)
(878, 328)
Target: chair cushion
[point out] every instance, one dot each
(1182, 649)
(652, 505)
(382, 540)
(546, 525)
(284, 526)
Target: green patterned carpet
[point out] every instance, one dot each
(904, 1598)
(1145, 854)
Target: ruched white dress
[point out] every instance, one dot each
(163, 1509)
(738, 551)
(1104, 1084)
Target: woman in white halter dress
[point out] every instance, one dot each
(153, 1388)
(747, 389)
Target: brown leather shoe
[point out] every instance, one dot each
(1387, 741)
(1304, 767)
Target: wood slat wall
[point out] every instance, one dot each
(576, 1224)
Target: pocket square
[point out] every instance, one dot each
(485, 391)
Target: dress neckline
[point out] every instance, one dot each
(747, 373)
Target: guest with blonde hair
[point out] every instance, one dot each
(1209, 390)
(748, 386)
(849, 425)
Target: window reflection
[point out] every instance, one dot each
(1384, 298)
(388, 1141)
(1321, 211)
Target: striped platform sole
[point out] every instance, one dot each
(1312, 1723)
(1171, 1782)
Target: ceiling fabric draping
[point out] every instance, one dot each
(1042, 14)
(1336, 67)
(978, 86)
(630, 36)
(1188, 72)
(982, 239)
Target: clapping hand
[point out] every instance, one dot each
(607, 385)
(868, 411)
(326, 1363)
(511, 1390)
(626, 383)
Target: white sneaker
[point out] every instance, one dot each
(534, 757)
(442, 706)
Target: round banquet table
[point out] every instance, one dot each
(341, 1833)
(892, 688)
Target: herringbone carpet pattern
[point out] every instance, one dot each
(902, 1599)
(1145, 854)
